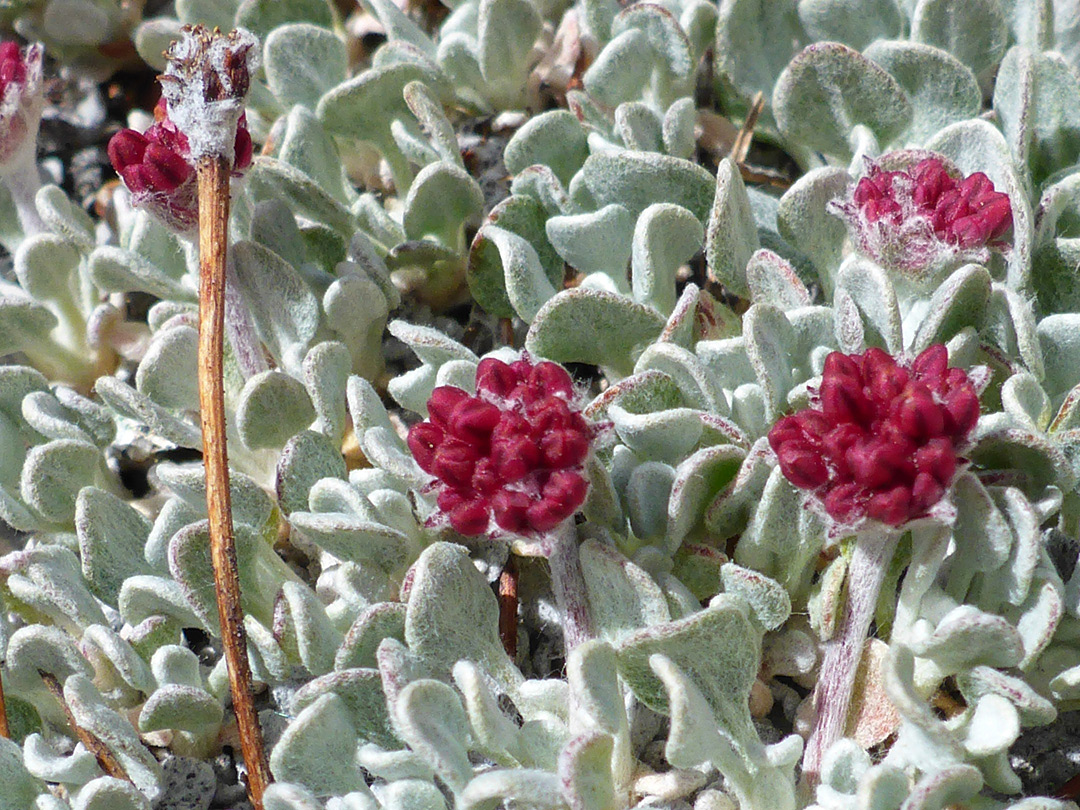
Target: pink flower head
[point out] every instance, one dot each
(884, 440)
(922, 217)
(511, 458)
(20, 99)
(156, 167)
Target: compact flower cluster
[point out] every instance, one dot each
(20, 97)
(912, 218)
(513, 453)
(884, 443)
(156, 167)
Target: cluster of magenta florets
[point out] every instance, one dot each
(156, 167)
(12, 65)
(885, 438)
(915, 218)
(511, 458)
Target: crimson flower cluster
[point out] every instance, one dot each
(20, 98)
(913, 218)
(512, 455)
(885, 439)
(156, 167)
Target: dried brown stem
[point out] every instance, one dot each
(213, 178)
(741, 148)
(91, 742)
(508, 606)
(5, 730)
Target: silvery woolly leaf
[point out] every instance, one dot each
(127, 402)
(719, 644)
(318, 749)
(116, 661)
(586, 773)
(452, 615)
(326, 371)
(286, 796)
(428, 715)
(958, 302)
(303, 629)
(53, 474)
(271, 409)
(535, 788)
(356, 309)
(755, 41)
(269, 178)
(487, 273)
(803, 219)
(306, 146)
(761, 777)
(638, 126)
(731, 235)
(44, 761)
(109, 793)
(622, 596)
(622, 69)
(694, 378)
(636, 180)
(506, 31)
(360, 689)
(554, 138)
(769, 602)
(698, 480)
(65, 218)
(829, 89)
(40, 648)
(527, 285)
(441, 200)
(494, 734)
(302, 62)
(45, 265)
(263, 16)
(167, 372)
(306, 458)
(114, 730)
(250, 504)
(114, 269)
(263, 572)
(772, 280)
(112, 536)
(850, 22)
(592, 326)
(596, 242)
(284, 309)
(967, 637)
(185, 708)
(677, 128)
(665, 436)
(942, 89)
(976, 33)
(1036, 98)
(48, 579)
(429, 114)
(645, 497)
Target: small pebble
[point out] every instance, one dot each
(670, 785)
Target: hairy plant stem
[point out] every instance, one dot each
(568, 583)
(91, 742)
(832, 695)
(23, 183)
(508, 606)
(213, 179)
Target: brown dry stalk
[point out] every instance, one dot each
(5, 730)
(91, 742)
(741, 147)
(508, 606)
(213, 179)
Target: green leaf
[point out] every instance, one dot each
(974, 31)
(302, 62)
(827, 90)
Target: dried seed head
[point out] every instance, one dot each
(205, 83)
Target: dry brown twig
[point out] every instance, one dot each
(91, 742)
(205, 85)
